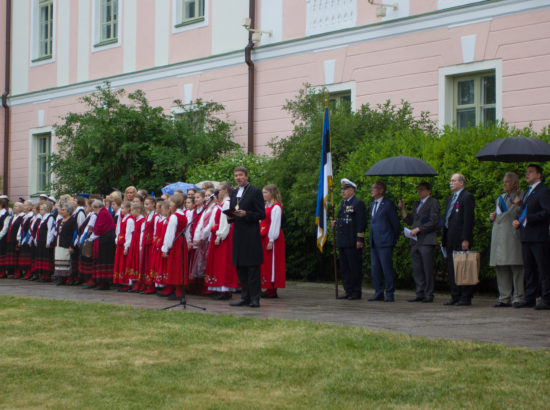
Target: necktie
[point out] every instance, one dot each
(419, 206)
(375, 208)
(527, 194)
(450, 210)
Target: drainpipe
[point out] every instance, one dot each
(5, 98)
(250, 64)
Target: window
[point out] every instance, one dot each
(189, 12)
(340, 99)
(108, 22)
(474, 100)
(42, 150)
(44, 22)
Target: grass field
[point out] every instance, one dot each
(56, 354)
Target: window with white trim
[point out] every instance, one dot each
(42, 149)
(340, 99)
(44, 30)
(107, 23)
(474, 100)
(189, 12)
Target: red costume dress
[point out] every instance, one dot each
(133, 258)
(146, 264)
(159, 263)
(221, 275)
(123, 244)
(273, 268)
(174, 244)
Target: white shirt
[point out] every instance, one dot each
(223, 228)
(170, 235)
(129, 231)
(81, 216)
(275, 226)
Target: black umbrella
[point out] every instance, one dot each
(515, 149)
(401, 166)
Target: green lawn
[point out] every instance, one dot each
(56, 354)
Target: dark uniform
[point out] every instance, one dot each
(350, 229)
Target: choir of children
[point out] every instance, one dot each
(181, 243)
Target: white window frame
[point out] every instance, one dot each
(339, 88)
(96, 27)
(33, 157)
(447, 76)
(36, 59)
(178, 27)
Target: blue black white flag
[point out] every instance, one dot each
(325, 185)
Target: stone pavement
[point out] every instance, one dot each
(316, 302)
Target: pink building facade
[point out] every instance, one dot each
(464, 61)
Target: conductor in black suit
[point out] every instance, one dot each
(350, 238)
(249, 208)
(533, 224)
(458, 234)
(425, 221)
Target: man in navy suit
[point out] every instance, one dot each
(533, 224)
(458, 235)
(383, 234)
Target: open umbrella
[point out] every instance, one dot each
(515, 149)
(183, 186)
(401, 166)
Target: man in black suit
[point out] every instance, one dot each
(383, 234)
(249, 208)
(533, 224)
(350, 238)
(458, 234)
(425, 221)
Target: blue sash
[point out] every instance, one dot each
(523, 215)
(502, 204)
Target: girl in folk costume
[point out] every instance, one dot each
(66, 232)
(160, 262)
(103, 237)
(5, 218)
(221, 275)
(116, 204)
(79, 215)
(273, 243)
(174, 249)
(146, 239)
(86, 262)
(198, 199)
(124, 233)
(201, 237)
(11, 262)
(35, 223)
(42, 263)
(24, 240)
(133, 259)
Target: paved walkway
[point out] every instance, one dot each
(316, 302)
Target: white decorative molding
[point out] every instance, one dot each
(187, 93)
(162, 32)
(468, 44)
(129, 30)
(445, 92)
(41, 118)
(330, 15)
(63, 42)
(272, 20)
(301, 46)
(329, 66)
(83, 50)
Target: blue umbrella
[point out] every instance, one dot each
(183, 186)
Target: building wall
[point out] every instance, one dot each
(396, 58)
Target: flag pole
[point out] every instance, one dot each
(333, 230)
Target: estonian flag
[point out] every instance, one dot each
(325, 184)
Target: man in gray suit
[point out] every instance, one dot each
(425, 223)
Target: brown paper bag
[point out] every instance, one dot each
(466, 266)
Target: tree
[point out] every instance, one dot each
(116, 144)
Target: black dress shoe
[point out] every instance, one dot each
(525, 305)
(451, 302)
(427, 300)
(344, 296)
(376, 298)
(354, 297)
(240, 302)
(464, 303)
(502, 304)
(542, 306)
(254, 304)
(416, 299)
(389, 300)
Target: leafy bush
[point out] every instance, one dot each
(116, 144)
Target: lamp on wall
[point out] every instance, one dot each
(256, 34)
(381, 8)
